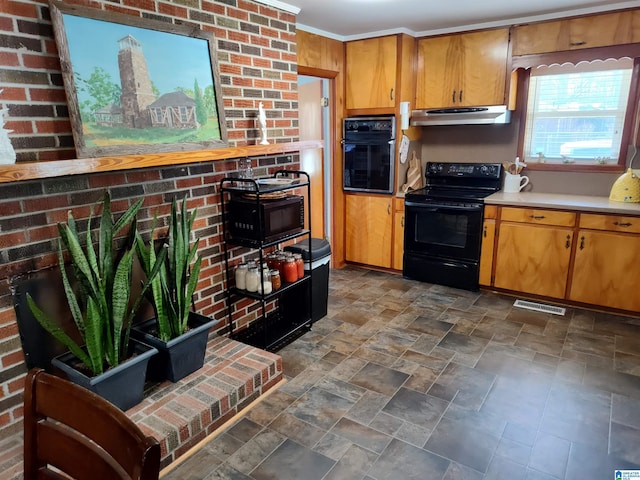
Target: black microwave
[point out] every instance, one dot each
(267, 220)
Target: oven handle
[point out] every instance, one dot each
(437, 206)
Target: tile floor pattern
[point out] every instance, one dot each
(409, 380)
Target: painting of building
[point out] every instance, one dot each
(137, 91)
(174, 110)
(109, 116)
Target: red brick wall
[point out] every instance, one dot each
(257, 61)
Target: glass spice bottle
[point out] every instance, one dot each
(276, 282)
(241, 276)
(299, 264)
(290, 270)
(279, 264)
(267, 286)
(253, 279)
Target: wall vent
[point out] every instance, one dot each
(539, 307)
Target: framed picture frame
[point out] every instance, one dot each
(137, 86)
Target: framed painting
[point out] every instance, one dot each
(137, 86)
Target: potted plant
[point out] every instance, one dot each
(179, 334)
(102, 309)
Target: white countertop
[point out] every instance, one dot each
(584, 203)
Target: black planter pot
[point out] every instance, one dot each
(122, 385)
(180, 356)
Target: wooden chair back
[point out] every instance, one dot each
(71, 430)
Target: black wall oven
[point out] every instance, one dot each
(369, 154)
(443, 223)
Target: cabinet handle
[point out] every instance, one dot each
(484, 232)
(577, 44)
(389, 209)
(537, 217)
(568, 244)
(402, 222)
(453, 97)
(622, 224)
(582, 243)
(460, 96)
(391, 94)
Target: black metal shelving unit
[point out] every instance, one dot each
(271, 331)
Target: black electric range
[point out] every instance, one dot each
(443, 223)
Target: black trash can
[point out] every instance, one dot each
(294, 303)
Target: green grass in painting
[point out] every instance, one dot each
(100, 136)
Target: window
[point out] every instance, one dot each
(576, 113)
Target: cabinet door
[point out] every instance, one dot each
(576, 33)
(486, 253)
(398, 239)
(371, 73)
(369, 224)
(462, 70)
(606, 270)
(533, 259)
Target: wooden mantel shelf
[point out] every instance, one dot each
(36, 170)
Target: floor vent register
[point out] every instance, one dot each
(539, 307)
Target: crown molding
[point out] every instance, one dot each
(280, 5)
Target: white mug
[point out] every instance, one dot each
(514, 183)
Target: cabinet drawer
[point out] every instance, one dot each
(614, 223)
(539, 217)
(490, 211)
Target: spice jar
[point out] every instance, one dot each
(276, 282)
(267, 287)
(240, 274)
(279, 264)
(253, 279)
(290, 270)
(299, 264)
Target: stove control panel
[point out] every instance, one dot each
(467, 170)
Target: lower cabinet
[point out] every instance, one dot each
(606, 270)
(581, 257)
(398, 234)
(533, 259)
(369, 229)
(488, 240)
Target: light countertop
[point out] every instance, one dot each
(584, 203)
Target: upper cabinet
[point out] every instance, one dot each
(379, 73)
(576, 33)
(462, 70)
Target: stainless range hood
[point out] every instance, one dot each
(494, 114)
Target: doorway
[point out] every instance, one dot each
(314, 124)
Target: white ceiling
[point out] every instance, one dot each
(353, 19)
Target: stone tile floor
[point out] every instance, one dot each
(409, 380)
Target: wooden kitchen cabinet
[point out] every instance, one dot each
(590, 258)
(369, 229)
(488, 242)
(577, 33)
(379, 74)
(533, 259)
(371, 73)
(462, 70)
(605, 269)
(398, 234)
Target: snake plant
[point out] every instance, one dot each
(172, 289)
(101, 306)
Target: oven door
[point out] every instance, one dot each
(368, 166)
(443, 230)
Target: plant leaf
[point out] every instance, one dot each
(55, 331)
(120, 299)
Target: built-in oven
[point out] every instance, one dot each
(444, 229)
(443, 223)
(369, 154)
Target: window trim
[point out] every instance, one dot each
(523, 64)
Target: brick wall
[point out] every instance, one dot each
(257, 62)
